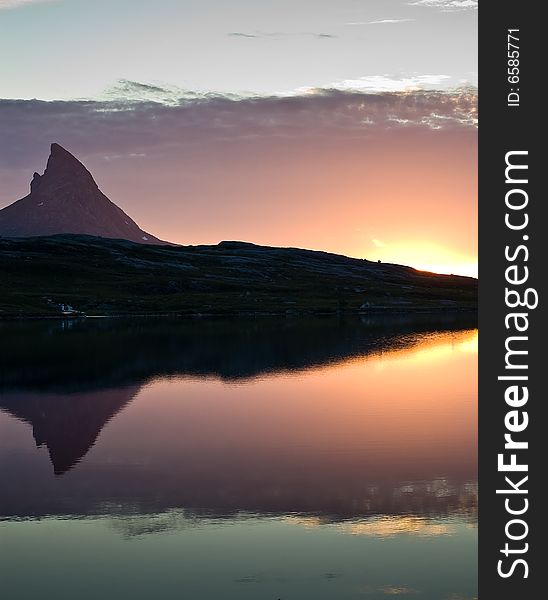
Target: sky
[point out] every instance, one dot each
(345, 126)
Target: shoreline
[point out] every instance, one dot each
(388, 311)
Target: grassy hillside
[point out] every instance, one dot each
(114, 277)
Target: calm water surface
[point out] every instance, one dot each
(231, 459)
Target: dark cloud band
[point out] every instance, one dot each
(121, 126)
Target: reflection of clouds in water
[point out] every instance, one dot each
(382, 527)
(391, 590)
(137, 524)
(388, 590)
(392, 526)
(439, 488)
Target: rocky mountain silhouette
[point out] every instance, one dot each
(66, 199)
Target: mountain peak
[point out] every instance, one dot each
(66, 199)
(62, 163)
(57, 152)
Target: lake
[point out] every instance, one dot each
(239, 459)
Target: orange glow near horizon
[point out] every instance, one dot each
(424, 256)
(404, 200)
(317, 179)
(405, 196)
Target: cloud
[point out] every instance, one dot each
(380, 22)
(7, 4)
(133, 91)
(279, 34)
(152, 120)
(391, 83)
(448, 5)
(241, 34)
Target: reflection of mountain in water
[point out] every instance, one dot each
(68, 356)
(68, 379)
(67, 424)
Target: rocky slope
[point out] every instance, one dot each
(66, 199)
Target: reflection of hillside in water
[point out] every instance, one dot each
(198, 479)
(67, 356)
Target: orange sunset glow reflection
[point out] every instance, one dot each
(408, 414)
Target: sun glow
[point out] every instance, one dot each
(423, 256)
